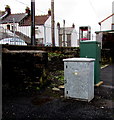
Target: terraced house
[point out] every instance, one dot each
(19, 24)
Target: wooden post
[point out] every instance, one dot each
(33, 42)
(52, 23)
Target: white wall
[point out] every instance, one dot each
(25, 30)
(56, 35)
(39, 31)
(113, 12)
(107, 24)
(11, 24)
(47, 32)
(74, 39)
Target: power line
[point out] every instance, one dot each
(55, 16)
(93, 9)
(22, 2)
(40, 10)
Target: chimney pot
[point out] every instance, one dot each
(73, 25)
(7, 9)
(49, 12)
(27, 10)
(58, 24)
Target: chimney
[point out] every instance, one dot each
(7, 9)
(49, 12)
(58, 25)
(27, 10)
(73, 26)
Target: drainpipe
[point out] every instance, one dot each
(44, 34)
(14, 30)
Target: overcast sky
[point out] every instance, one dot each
(79, 12)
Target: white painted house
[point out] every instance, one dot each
(108, 22)
(20, 24)
(42, 28)
(106, 34)
(68, 37)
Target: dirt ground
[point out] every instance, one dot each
(49, 103)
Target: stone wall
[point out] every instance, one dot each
(23, 65)
(24, 68)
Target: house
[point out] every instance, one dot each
(10, 22)
(20, 23)
(67, 36)
(113, 15)
(108, 22)
(42, 28)
(106, 34)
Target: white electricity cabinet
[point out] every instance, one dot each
(79, 78)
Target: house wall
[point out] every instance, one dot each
(26, 30)
(74, 39)
(39, 32)
(107, 24)
(56, 36)
(113, 15)
(113, 12)
(47, 33)
(42, 32)
(10, 24)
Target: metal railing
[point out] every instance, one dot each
(10, 37)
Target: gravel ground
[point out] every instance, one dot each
(47, 104)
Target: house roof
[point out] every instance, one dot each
(68, 30)
(39, 20)
(17, 17)
(105, 31)
(1, 13)
(106, 18)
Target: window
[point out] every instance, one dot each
(112, 26)
(8, 27)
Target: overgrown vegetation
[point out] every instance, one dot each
(56, 78)
(53, 54)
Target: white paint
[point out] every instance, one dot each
(113, 12)
(74, 39)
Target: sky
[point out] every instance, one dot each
(79, 12)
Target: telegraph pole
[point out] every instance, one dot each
(52, 23)
(33, 41)
(63, 33)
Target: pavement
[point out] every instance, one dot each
(51, 105)
(107, 75)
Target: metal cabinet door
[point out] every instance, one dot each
(76, 76)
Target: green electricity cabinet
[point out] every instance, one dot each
(92, 49)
